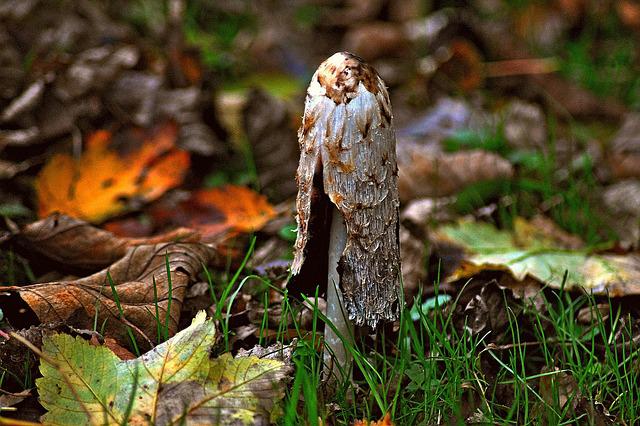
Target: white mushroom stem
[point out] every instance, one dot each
(337, 358)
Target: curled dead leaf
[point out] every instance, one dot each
(428, 173)
(76, 244)
(168, 267)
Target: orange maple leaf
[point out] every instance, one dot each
(385, 421)
(244, 210)
(217, 212)
(98, 184)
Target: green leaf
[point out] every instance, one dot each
(524, 253)
(429, 305)
(175, 383)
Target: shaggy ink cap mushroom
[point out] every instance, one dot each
(348, 173)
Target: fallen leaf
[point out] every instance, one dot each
(274, 144)
(133, 227)
(525, 126)
(9, 399)
(557, 388)
(184, 106)
(622, 202)
(463, 65)
(541, 25)
(428, 173)
(97, 185)
(14, 357)
(212, 212)
(624, 156)
(385, 421)
(413, 253)
(376, 39)
(629, 13)
(487, 311)
(133, 96)
(590, 315)
(90, 300)
(541, 230)
(93, 69)
(76, 244)
(487, 248)
(175, 383)
(114, 346)
(15, 422)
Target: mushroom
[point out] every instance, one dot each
(347, 203)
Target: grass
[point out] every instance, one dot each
(542, 184)
(543, 367)
(116, 299)
(603, 59)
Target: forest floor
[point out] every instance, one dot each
(148, 152)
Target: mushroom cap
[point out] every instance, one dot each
(339, 78)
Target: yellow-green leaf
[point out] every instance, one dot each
(175, 383)
(488, 248)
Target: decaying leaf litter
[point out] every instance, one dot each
(145, 168)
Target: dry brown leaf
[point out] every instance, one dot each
(377, 39)
(9, 399)
(413, 253)
(463, 66)
(133, 227)
(98, 184)
(622, 203)
(425, 173)
(272, 136)
(77, 244)
(80, 302)
(629, 13)
(114, 346)
(541, 25)
(624, 155)
(558, 388)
